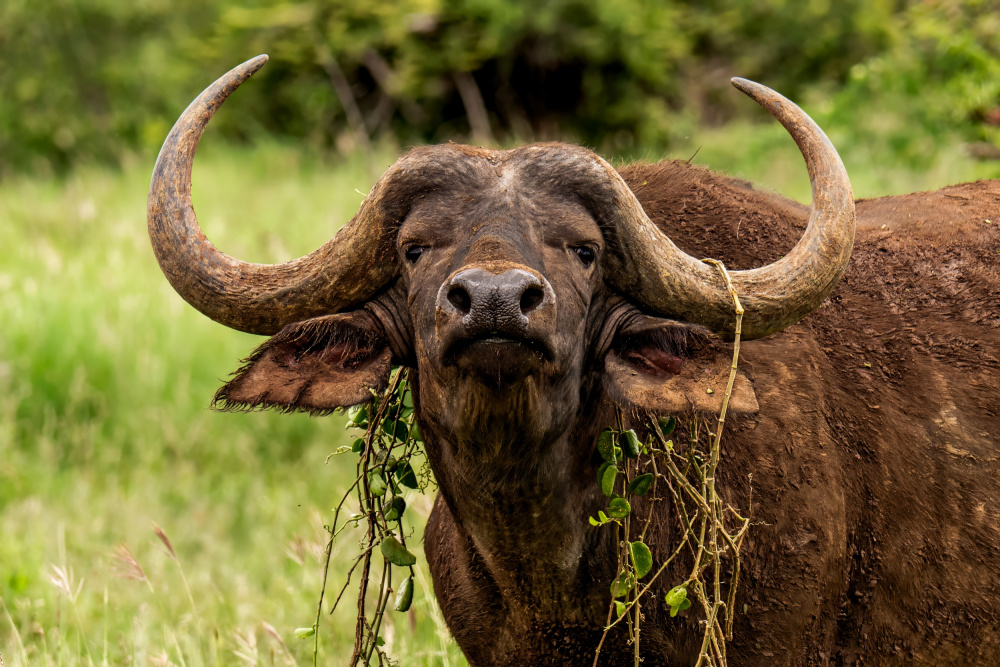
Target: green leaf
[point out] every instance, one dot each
(396, 429)
(404, 597)
(619, 508)
(376, 484)
(676, 595)
(405, 475)
(386, 459)
(667, 425)
(642, 559)
(18, 581)
(358, 445)
(593, 521)
(601, 470)
(608, 479)
(357, 414)
(379, 641)
(640, 485)
(415, 433)
(602, 516)
(396, 553)
(631, 444)
(394, 510)
(619, 608)
(623, 584)
(681, 607)
(606, 445)
(304, 633)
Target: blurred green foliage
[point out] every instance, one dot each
(87, 80)
(939, 73)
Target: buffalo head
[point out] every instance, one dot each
(507, 278)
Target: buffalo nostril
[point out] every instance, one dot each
(459, 297)
(530, 299)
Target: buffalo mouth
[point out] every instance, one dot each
(498, 353)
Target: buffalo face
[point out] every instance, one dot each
(500, 270)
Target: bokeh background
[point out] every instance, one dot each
(105, 375)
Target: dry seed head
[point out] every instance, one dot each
(125, 565)
(246, 646)
(296, 551)
(271, 630)
(62, 580)
(162, 660)
(166, 541)
(317, 546)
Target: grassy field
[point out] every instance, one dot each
(105, 378)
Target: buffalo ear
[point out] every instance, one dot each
(669, 367)
(314, 366)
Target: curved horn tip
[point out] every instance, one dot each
(752, 89)
(255, 63)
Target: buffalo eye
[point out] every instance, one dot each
(413, 253)
(586, 254)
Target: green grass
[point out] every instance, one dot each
(105, 378)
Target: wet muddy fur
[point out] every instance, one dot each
(872, 465)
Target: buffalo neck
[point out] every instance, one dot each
(525, 509)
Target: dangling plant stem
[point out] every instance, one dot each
(385, 464)
(704, 531)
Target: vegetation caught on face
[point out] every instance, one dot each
(387, 455)
(711, 530)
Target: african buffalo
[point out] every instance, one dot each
(532, 290)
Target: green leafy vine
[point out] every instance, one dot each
(712, 530)
(387, 453)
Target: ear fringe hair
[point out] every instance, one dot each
(320, 333)
(307, 337)
(221, 403)
(677, 338)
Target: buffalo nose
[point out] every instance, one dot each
(496, 301)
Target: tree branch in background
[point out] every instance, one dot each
(475, 108)
(380, 114)
(388, 81)
(343, 90)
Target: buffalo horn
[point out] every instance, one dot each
(258, 298)
(653, 271)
